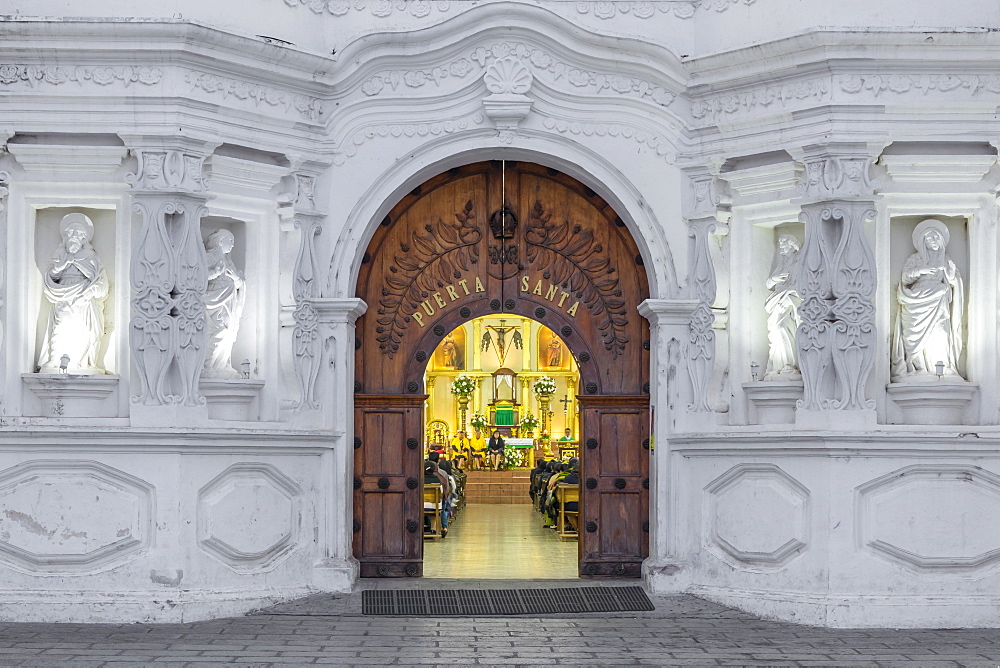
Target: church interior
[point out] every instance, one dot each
(508, 376)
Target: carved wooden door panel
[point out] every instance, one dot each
(388, 502)
(489, 238)
(614, 477)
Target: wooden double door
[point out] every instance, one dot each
(521, 239)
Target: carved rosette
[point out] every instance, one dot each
(169, 276)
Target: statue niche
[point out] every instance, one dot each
(552, 352)
(224, 301)
(76, 284)
(450, 353)
(782, 306)
(931, 299)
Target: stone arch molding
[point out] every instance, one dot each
(438, 156)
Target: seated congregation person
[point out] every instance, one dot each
(451, 500)
(539, 468)
(572, 478)
(548, 494)
(434, 476)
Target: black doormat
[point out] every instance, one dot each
(486, 602)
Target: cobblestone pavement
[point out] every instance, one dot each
(329, 629)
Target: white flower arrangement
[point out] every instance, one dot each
(463, 386)
(478, 421)
(545, 386)
(529, 422)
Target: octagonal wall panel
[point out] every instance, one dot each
(931, 517)
(757, 515)
(72, 517)
(249, 517)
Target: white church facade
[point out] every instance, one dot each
(214, 320)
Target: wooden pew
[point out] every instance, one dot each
(432, 494)
(567, 494)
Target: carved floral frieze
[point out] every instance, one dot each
(904, 83)
(396, 130)
(378, 8)
(663, 147)
(310, 108)
(602, 9)
(646, 9)
(723, 105)
(535, 59)
(34, 75)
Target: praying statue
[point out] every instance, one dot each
(224, 299)
(782, 311)
(76, 284)
(931, 300)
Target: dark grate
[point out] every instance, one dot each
(486, 602)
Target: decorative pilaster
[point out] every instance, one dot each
(702, 210)
(669, 395)
(4, 191)
(305, 287)
(477, 337)
(836, 338)
(169, 273)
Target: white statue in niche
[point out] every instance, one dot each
(931, 301)
(782, 307)
(76, 284)
(224, 299)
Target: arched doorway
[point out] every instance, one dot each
(507, 237)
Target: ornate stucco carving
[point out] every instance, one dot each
(306, 287)
(749, 100)
(662, 146)
(34, 75)
(540, 60)
(169, 274)
(837, 279)
(396, 130)
(309, 108)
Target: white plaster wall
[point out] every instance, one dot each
(629, 102)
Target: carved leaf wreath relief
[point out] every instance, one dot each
(433, 257)
(585, 272)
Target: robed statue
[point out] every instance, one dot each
(224, 300)
(782, 306)
(931, 299)
(76, 285)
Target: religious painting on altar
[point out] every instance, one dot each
(450, 354)
(552, 352)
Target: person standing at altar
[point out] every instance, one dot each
(496, 450)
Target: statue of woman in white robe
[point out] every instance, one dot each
(931, 302)
(76, 284)
(782, 312)
(224, 300)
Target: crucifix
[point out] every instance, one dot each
(565, 402)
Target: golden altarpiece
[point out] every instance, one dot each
(504, 355)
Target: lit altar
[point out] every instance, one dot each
(503, 357)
